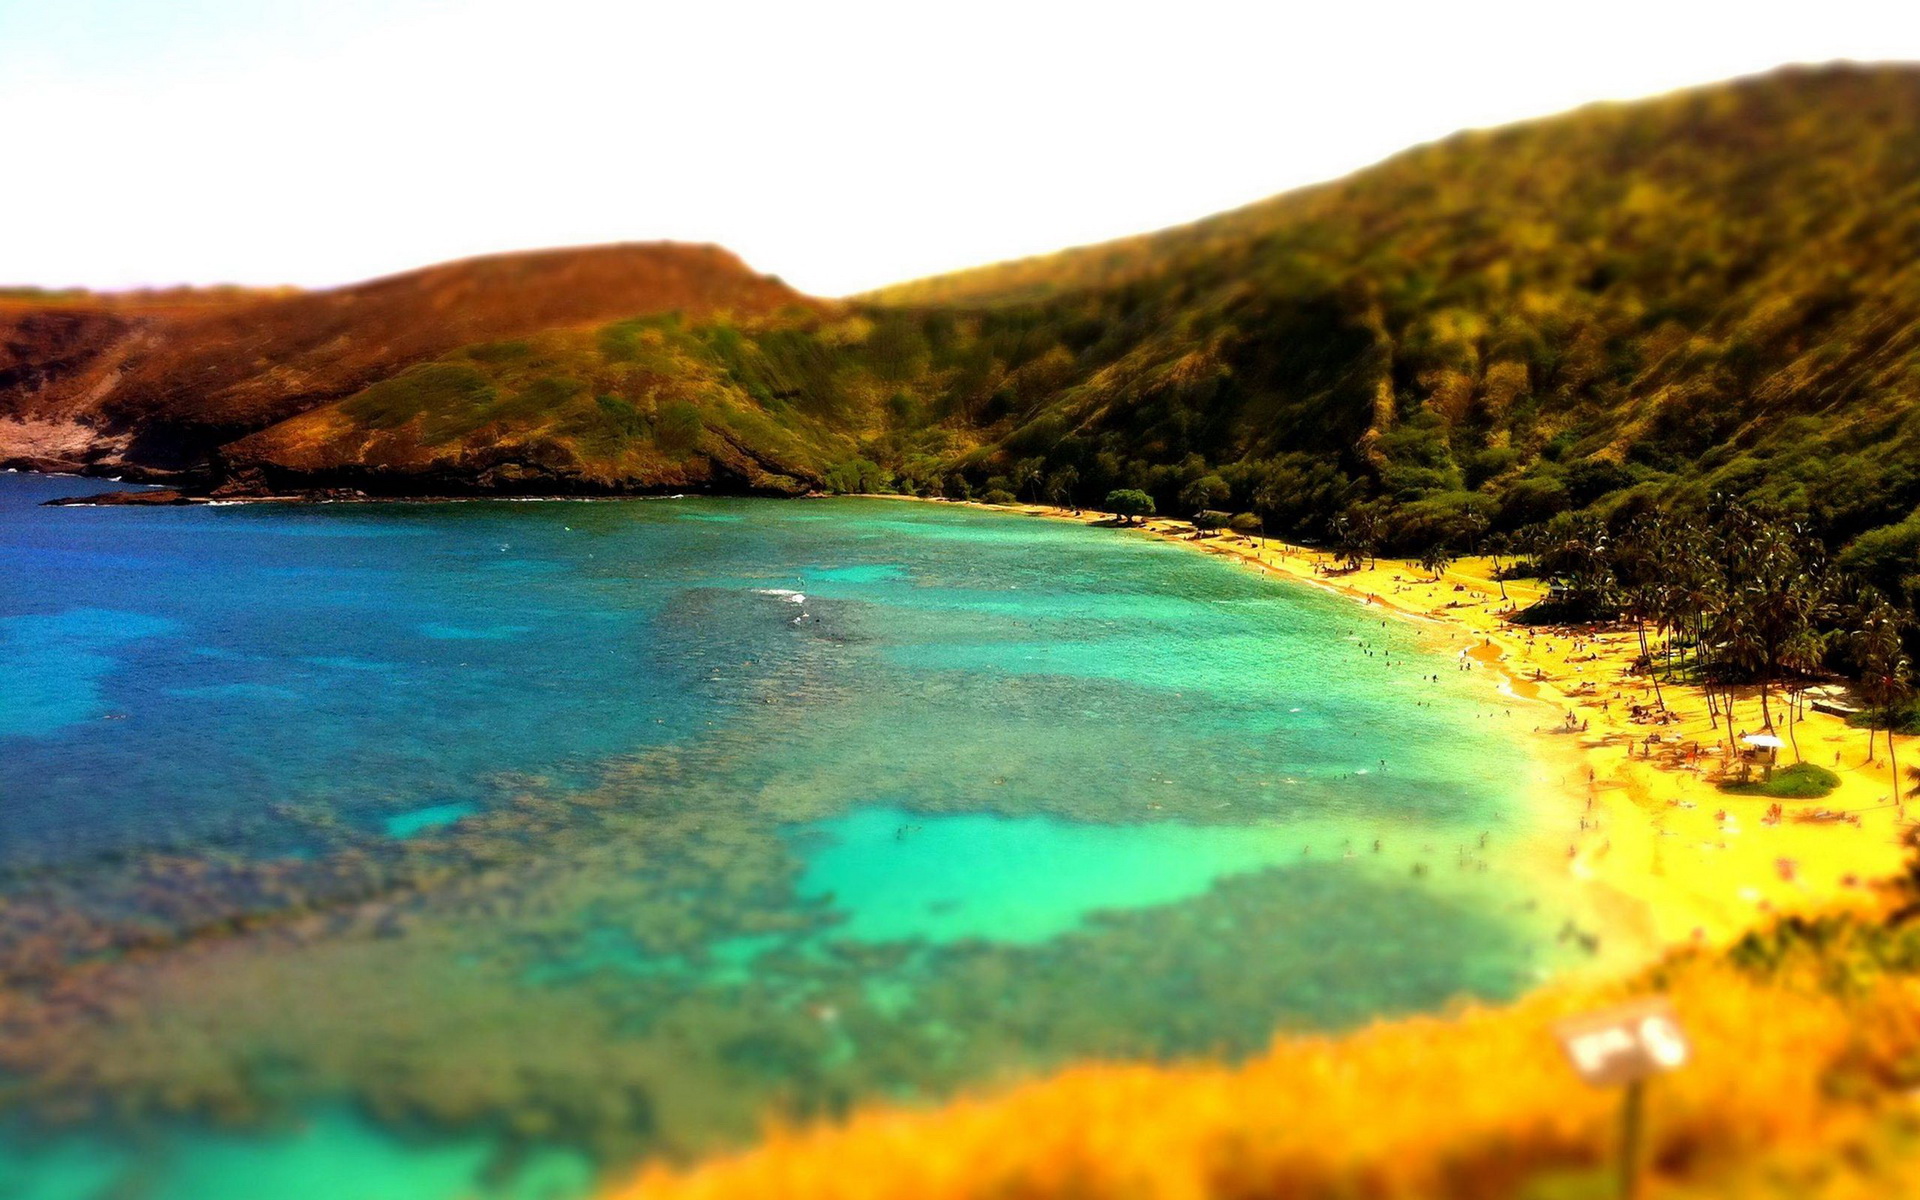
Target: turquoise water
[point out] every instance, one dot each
(330, 1155)
(899, 875)
(472, 849)
(433, 816)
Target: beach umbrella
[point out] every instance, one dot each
(1763, 740)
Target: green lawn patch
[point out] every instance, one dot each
(1801, 781)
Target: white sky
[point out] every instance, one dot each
(839, 145)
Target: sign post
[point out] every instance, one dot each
(1632, 1117)
(1625, 1046)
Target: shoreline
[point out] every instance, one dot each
(1676, 861)
(1672, 860)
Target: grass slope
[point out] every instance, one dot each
(778, 404)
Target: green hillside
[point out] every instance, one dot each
(1714, 291)
(861, 398)
(1627, 305)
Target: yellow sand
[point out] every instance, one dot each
(1687, 862)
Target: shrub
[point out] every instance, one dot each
(1129, 503)
(861, 475)
(678, 428)
(1588, 479)
(1888, 558)
(1490, 463)
(432, 387)
(1533, 499)
(1204, 492)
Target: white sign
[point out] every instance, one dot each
(1625, 1044)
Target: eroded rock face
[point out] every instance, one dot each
(42, 347)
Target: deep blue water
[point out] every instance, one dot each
(467, 845)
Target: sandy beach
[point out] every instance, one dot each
(1688, 863)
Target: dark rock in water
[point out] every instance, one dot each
(156, 496)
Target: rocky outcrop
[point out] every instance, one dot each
(152, 496)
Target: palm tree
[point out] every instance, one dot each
(1803, 653)
(1777, 594)
(1701, 593)
(1735, 646)
(1496, 546)
(1265, 498)
(1474, 524)
(1681, 589)
(1356, 536)
(1060, 486)
(1026, 475)
(1206, 492)
(1365, 522)
(1340, 539)
(1434, 560)
(1884, 670)
(1574, 557)
(1637, 568)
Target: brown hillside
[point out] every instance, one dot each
(158, 381)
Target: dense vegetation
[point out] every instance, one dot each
(1735, 594)
(1629, 305)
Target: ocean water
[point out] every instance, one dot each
(478, 849)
